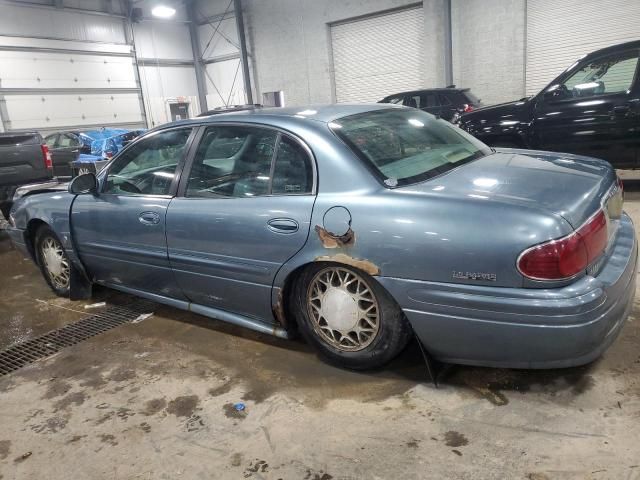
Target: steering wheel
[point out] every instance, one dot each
(132, 187)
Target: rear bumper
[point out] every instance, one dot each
(524, 327)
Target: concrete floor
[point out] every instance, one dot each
(154, 400)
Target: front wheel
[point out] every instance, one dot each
(348, 317)
(53, 261)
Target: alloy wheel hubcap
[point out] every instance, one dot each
(343, 309)
(55, 263)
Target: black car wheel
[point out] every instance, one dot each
(348, 317)
(53, 261)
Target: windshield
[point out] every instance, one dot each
(404, 146)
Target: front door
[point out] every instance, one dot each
(120, 233)
(245, 211)
(593, 111)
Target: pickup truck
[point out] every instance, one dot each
(24, 159)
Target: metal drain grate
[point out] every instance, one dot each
(25, 353)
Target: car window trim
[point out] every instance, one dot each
(182, 187)
(104, 174)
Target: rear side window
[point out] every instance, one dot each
(471, 98)
(394, 100)
(292, 172)
(232, 161)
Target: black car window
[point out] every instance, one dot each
(394, 100)
(293, 171)
(429, 100)
(412, 101)
(445, 99)
(232, 161)
(611, 74)
(51, 140)
(149, 166)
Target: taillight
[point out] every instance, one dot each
(565, 257)
(620, 184)
(46, 156)
(467, 108)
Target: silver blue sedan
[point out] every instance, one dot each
(356, 225)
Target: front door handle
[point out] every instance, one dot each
(283, 225)
(149, 218)
(620, 110)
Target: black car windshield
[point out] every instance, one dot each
(404, 145)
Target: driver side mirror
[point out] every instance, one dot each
(83, 184)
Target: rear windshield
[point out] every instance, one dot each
(404, 146)
(471, 97)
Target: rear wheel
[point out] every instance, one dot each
(53, 261)
(348, 317)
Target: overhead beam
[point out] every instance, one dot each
(63, 8)
(221, 58)
(216, 18)
(164, 62)
(237, 4)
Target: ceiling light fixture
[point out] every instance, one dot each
(163, 11)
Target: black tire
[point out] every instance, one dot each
(46, 237)
(392, 336)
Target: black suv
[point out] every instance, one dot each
(447, 103)
(593, 108)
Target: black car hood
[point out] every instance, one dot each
(501, 112)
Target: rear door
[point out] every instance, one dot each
(243, 210)
(593, 111)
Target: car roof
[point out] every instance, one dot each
(426, 90)
(614, 48)
(303, 114)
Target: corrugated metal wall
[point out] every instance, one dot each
(558, 33)
(377, 56)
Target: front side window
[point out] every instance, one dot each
(613, 74)
(232, 161)
(149, 166)
(407, 146)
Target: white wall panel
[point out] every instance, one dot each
(161, 85)
(558, 33)
(51, 111)
(163, 40)
(63, 24)
(63, 70)
(221, 88)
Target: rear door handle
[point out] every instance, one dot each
(283, 225)
(149, 218)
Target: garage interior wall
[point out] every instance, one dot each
(488, 44)
(64, 67)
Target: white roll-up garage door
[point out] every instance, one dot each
(379, 55)
(559, 32)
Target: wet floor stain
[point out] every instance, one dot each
(154, 406)
(75, 398)
(455, 439)
(108, 438)
(50, 425)
(183, 406)
(413, 443)
(75, 438)
(231, 412)
(221, 390)
(145, 427)
(236, 459)
(57, 388)
(311, 475)
(5, 447)
(122, 374)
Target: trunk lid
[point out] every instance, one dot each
(571, 186)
